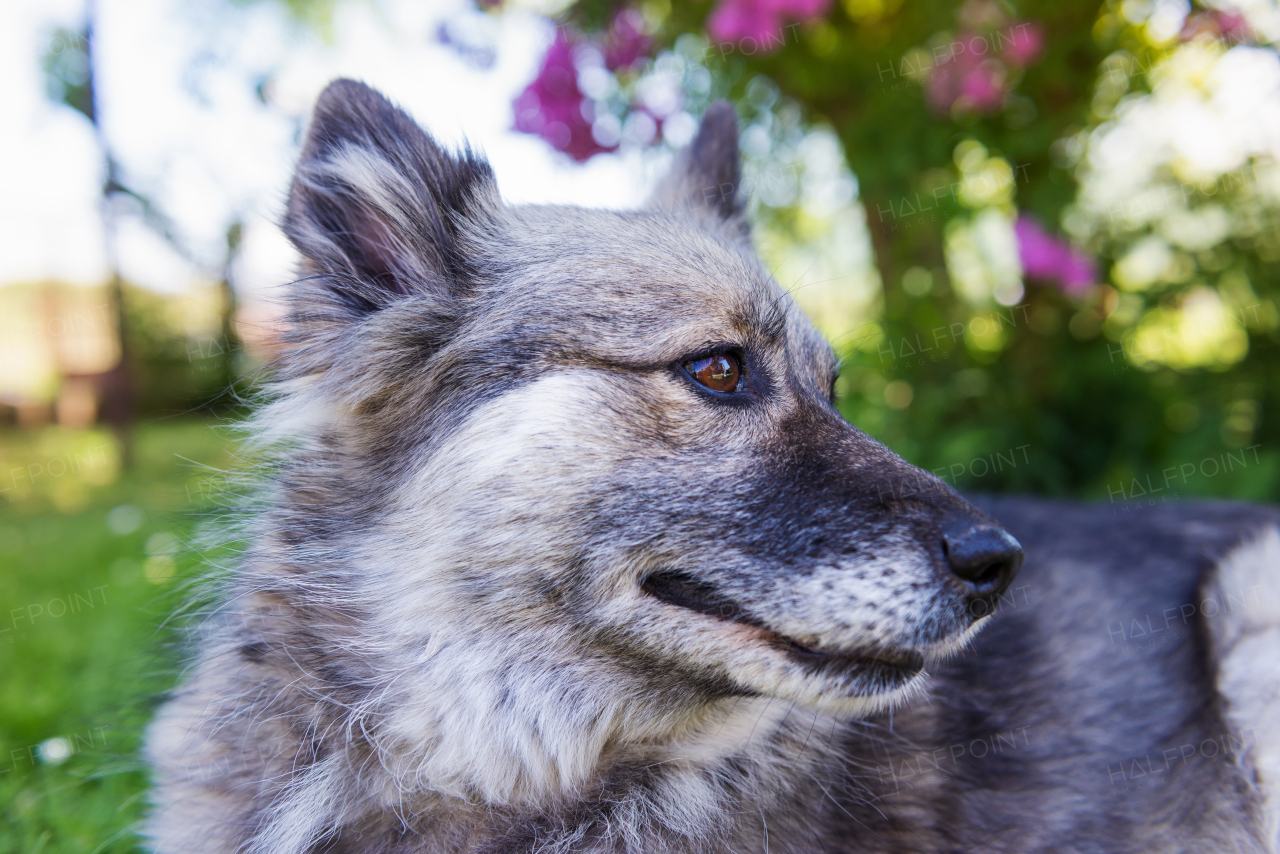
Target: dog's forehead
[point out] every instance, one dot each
(652, 277)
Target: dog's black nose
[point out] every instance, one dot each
(985, 558)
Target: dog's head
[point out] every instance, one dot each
(585, 464)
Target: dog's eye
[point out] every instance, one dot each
(720, 372)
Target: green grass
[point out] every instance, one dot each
(84, 597)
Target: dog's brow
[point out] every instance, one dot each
(770, 322)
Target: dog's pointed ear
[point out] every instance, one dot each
(706, 175)
(376, 205)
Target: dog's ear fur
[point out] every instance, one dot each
(376, 205)
(706, 176)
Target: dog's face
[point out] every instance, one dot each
(592, 456)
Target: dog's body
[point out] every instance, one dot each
(566, 549)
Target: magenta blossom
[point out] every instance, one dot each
(552, 105)
(1226, 24)
(972, 77)
(626, 43)
(760, 21)
(1022, 43)
(1043, 256)
(1232, 25)
(967, 79)
(982, 89)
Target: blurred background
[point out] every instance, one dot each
(1042, 236)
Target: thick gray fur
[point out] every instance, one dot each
(483, 447)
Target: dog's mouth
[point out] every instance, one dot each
(882, 670)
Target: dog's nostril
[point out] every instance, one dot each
(984, 557)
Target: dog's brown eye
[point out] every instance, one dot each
(719, 372)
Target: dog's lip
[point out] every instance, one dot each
(899, 665)
(683, 590)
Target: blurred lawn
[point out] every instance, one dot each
(91, 562)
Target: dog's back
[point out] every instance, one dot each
(1120, 699)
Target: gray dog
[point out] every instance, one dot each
(563, 547)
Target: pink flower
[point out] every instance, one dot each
(967, 79)
(982, 88)
(1227, 24)
(1023, 42)
(552, 105)
(626, 42)
(972, 77)
(1043, 256)
(760, 21)
(1232, 25)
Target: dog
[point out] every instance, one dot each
(562, 546)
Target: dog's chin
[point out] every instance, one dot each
(837, 701)
(879, 673)
(856, 685)
(846, 684)
(841, 681)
